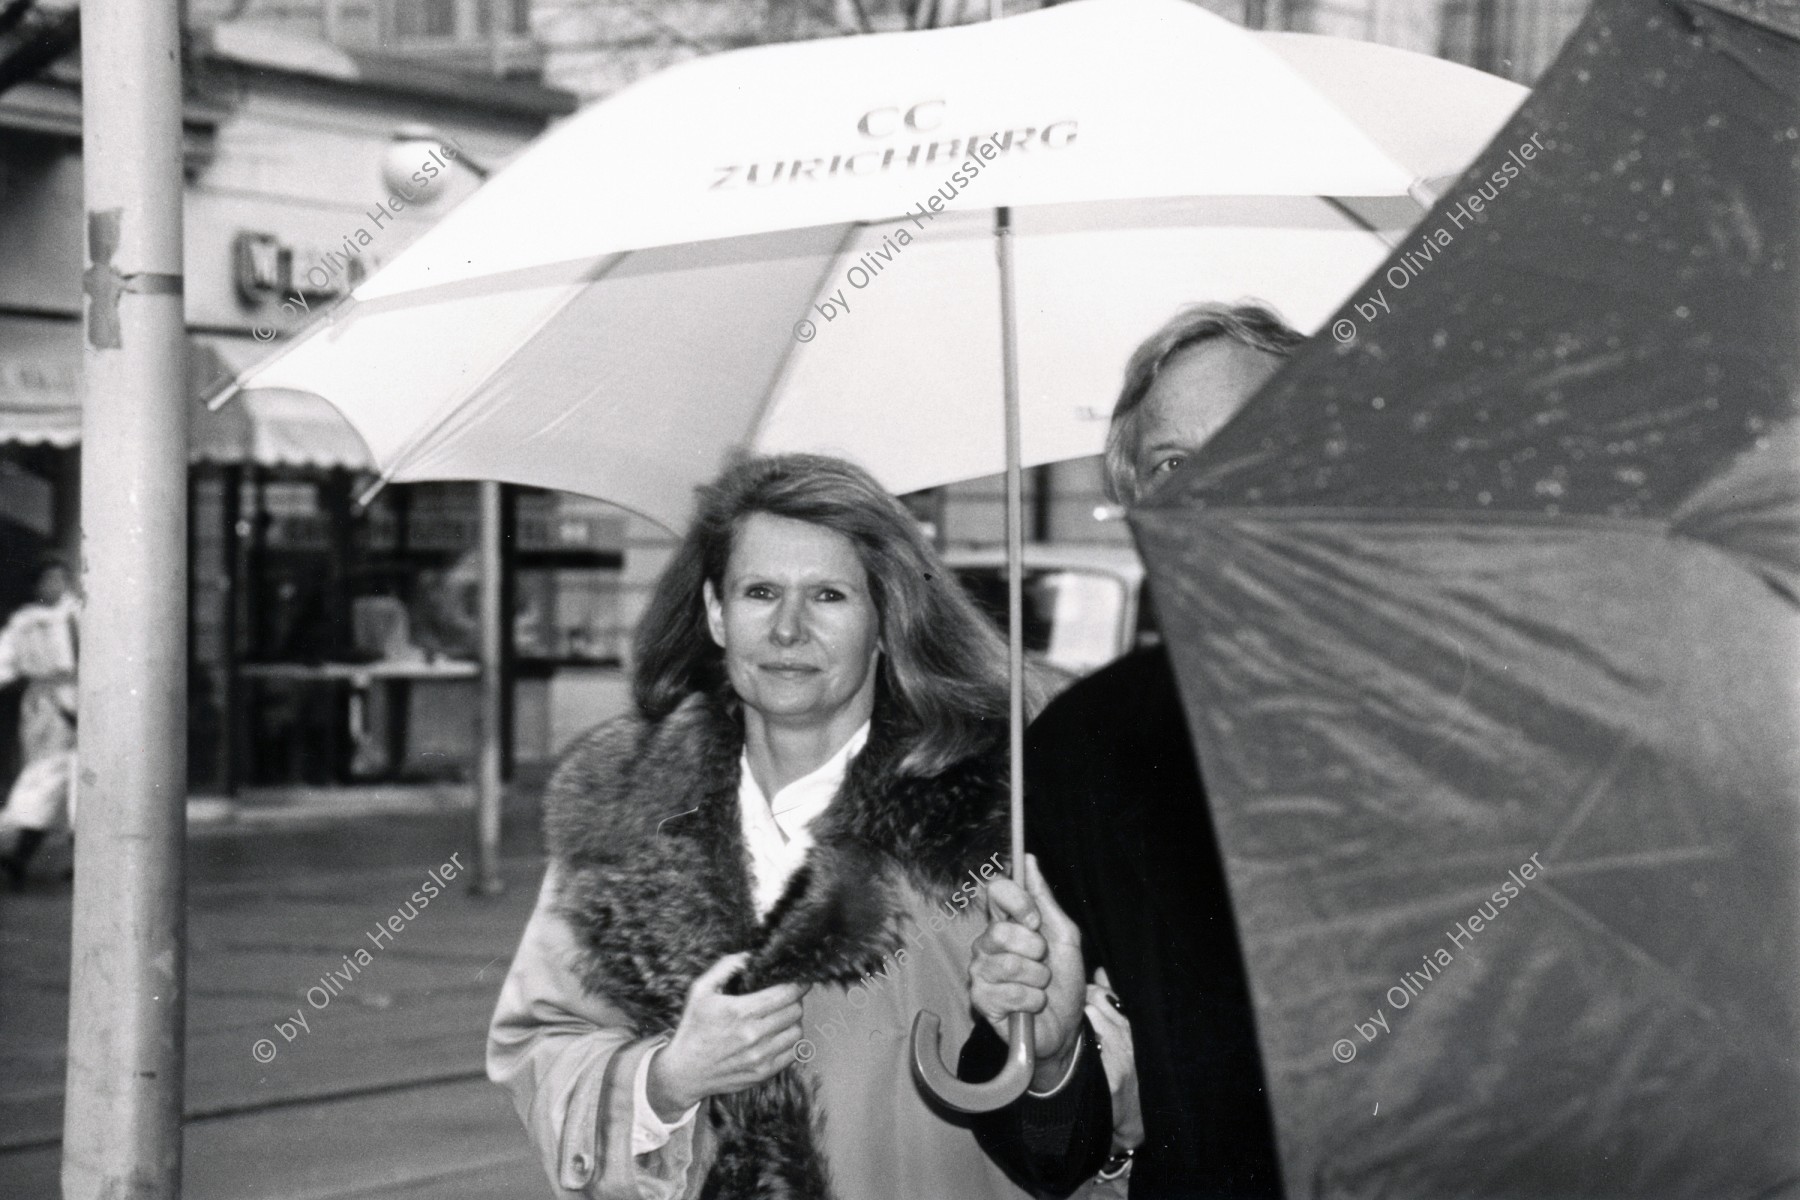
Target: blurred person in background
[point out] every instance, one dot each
(39, 645)
(443, 614)
(1126, 873)
(762, 874)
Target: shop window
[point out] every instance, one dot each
(515, 16)
(453, 21)
(424, 18)
(566, 606)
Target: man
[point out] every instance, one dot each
(1123, 839)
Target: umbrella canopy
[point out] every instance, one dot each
(790, 247)
(40, 402)
(1485, 612)
(269, 428)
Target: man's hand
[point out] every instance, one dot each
(724, 1043)
(1117, 1060)
(1029, 960)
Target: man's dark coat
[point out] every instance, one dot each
(1118, 819)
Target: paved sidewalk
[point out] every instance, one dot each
(380, 1092)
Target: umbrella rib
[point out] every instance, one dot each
(1671, 978)
(327, 318)
(1596, 791)
(1669, 527)
(1454, 901)
(1649, 526)
(1378, 235)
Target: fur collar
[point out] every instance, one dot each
(642, 820)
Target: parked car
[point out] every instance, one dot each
(1084, 604)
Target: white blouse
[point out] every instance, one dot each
(776, 833)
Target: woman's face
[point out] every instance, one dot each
(797, 622)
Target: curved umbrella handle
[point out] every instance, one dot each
(998, 1092)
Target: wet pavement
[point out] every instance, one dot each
(331, 1052)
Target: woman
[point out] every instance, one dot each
(38, 645)
(760, 876)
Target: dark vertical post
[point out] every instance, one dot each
(492, 724)
(230, 723)
(336, 501)
(253, 617)
(190, 559)
(499, 25)
(339, 560)
(122, 1112)
(1487, 36)
(509, 604)
(1042, 501)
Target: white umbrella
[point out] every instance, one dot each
(616, 310)
(786, 248)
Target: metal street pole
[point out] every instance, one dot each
(122, 1116)
(487, 880)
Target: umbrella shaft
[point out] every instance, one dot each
(1015, 538)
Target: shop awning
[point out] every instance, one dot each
(272, 428)
(40, 401)
(40, 381)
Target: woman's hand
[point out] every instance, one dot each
(1029, 960)
(724, 1043)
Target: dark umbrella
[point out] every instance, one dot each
(1505, 572)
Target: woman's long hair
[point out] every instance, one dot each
(943, 666)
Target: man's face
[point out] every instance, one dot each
(1197, 391)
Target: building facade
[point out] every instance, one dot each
(308, 165)
(318, 146)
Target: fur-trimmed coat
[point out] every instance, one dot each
(650, 885)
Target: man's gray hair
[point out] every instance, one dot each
(1252, 325)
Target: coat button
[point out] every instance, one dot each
(583, 1166)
